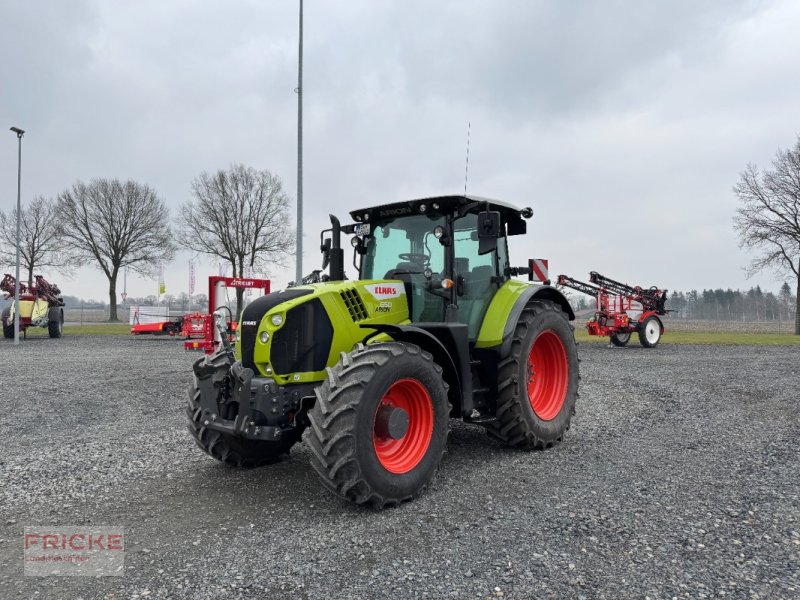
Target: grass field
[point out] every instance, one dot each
(94, 329)
(670, 337)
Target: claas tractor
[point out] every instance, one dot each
(40, 305)
(373, 368)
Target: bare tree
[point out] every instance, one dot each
(41, 238)
(116, 225)
(768, 219)
(241, 216)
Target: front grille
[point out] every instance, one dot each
(354, 304)
(254, 312)
(304, 342)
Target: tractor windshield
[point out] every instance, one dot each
(404, 244)
(403, 249)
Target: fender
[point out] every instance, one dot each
(449, 347)
(646, 315)
(506, 308)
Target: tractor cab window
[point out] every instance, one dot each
(403, 249)
(476, 272)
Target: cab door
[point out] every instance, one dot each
(479, 276)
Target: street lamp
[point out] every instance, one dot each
(299, 90)
(19, 133)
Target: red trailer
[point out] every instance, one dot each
(622, 310)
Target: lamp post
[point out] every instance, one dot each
(19, 133)
(299, 90)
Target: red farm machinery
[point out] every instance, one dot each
(40, 305)
(622, 310)
(198, 329)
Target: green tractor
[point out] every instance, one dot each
(434, 328)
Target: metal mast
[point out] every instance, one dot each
(19, 133)
(299, 90)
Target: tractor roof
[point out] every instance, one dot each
(434, 205)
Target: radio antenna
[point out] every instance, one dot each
(466, 168)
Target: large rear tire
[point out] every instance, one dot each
(55, 323)
(380, 423)
(650, 332)
(8, 330)
(229, 449)
(537, 380)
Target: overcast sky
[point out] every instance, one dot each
(624, 125)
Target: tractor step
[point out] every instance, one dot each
(481, 420)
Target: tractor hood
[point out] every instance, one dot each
(293, 335)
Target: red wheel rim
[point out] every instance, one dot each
(548, 375)
(402, 455)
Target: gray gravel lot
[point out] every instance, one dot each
(679, 478)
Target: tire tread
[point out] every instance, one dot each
(510, 426)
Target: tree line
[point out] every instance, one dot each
(239, 215)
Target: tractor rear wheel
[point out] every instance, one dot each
(229, 449)
(380, 423)
(537, 380)
(8, 330)
(620, 339)
(650, 332)
(55, 323)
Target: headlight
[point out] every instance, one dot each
(355, 242)
(277, 320)
(438, 232)
(264, 337)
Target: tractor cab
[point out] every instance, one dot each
(451, 253)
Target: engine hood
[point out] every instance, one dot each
(316, 323)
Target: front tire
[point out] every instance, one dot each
(228, 449)
(620, 339)
(537, 380)
(650, 332)
(380, 423)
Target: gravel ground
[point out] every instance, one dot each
(679, 478)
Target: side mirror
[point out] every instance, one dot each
(325, 248)
(489, 229)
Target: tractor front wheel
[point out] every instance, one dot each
(380, 423)
(650, 332)
(537, 380)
